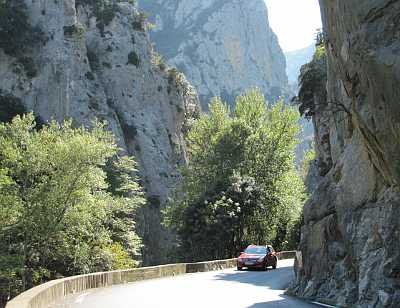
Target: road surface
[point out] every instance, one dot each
(220, 289)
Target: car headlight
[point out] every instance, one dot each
(260, 259)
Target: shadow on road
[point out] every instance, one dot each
(285, 302)
(277, 279)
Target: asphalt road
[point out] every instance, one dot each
(220, 289)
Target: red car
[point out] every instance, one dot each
(257, 257)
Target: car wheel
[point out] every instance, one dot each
(265, 268)
(239, 268)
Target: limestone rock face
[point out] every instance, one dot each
(223, 47)
(350, 239)
(85, 70)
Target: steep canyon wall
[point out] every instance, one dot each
(350, 239)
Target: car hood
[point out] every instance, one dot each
(251, 256)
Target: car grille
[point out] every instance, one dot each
(250, 259)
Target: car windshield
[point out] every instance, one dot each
(258, 250)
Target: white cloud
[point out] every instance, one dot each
(294, 21)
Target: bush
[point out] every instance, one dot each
(140, 21)
(17, 36)
(94, 61)
(29, 66)
(158, 61)
(76, 29)
(175, 78)
(133, 59)
(104, 10)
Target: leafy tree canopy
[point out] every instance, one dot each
(241, 185)
(58, 214)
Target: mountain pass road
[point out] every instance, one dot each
(227, 288)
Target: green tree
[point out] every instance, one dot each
(241, 185)
(308, 158)
(58, 215)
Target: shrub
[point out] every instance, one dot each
(17, 36)
(133, 59)
(159, 61)
(94, 62)
(76, 29)
(140, 21)
(29, 66)
(104, 10)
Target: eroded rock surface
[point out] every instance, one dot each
(350, 251)
(223, 47)
(86, 68)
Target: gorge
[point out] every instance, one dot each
(87, 59)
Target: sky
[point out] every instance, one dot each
(294, 21)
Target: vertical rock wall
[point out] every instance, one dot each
(350, 251)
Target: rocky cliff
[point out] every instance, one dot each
(350, 239)
(223, 47)
(95, 60)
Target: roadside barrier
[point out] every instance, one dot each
(286, 255)
(56, 290)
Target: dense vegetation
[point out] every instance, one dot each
(241, 185)
(67, 203)
(17, 36)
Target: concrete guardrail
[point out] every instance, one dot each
(286, 255)
(56, 290)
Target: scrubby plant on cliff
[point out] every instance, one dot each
(313, 78)
(308, 159)
(17, 36)
(241, 185)
(158, 61)
(67, 205)
(104, 10)
(133, 59)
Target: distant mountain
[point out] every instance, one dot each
(295, 60)
(223, 47)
